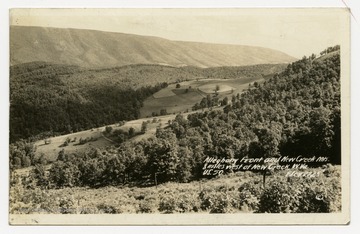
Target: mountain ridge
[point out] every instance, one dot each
(93, 48)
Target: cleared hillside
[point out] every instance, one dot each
(91, 48)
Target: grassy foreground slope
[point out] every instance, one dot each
(241, 192)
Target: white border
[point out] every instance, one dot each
(355, 29)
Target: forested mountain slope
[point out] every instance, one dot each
(54, 98)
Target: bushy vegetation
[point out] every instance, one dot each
(303, 195)
(22, 154)
(240, 192)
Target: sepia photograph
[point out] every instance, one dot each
(179, 116)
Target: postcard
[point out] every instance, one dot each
(179, 116)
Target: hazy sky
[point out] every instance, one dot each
(296, 32)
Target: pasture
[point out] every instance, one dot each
(182, 99)
(52, 148)
(96, 138)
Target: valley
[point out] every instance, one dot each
(174, 100)
(122, 123)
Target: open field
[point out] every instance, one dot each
(164, 93)
(182, 99)
(52, 149)
(211, 88)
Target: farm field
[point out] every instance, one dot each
(183, 98)
(54, 146)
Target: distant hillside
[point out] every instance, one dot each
(89, 48)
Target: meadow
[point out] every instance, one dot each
(182, 98)
(95, 138)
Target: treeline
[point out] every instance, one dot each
(294, 113)
(145, 74)
(330, 49)
(211, 101)
(156, 160)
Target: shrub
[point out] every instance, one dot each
(108, 129)
(220, 201)
(167, 203)
(249, 195)
(107, 209)
(39, 173)
(319, 194)
(148, 205)
(278, 197)
(321, 197)
(188, 202)
(67, 205)
(64, 174)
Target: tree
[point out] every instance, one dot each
(39, 173)
(22, 154)
(178, 85)
(64, 174)
(225, 101)
(108, 129)
(217, 88)
(267, 145)
(26, 162)
(131, 132)
(114, 170)
(143, 127)
(181, 120)
(163, 160)
(196, 106)
(42, 159)
(61, 155)
(163, 112)
(321, 130)
(184, 170)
